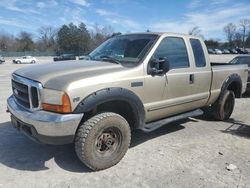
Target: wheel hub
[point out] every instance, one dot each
(106, 141)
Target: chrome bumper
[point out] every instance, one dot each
(45, 127)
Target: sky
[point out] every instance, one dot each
(124, 15)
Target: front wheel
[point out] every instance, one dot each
(103, 140)
(223, 108)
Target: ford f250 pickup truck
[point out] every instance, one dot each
(133, 81)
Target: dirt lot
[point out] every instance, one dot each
(188, 153)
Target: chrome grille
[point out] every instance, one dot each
(26, 92)
(21, 93)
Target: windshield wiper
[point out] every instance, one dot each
(110, 59)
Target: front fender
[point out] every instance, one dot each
(114, 94)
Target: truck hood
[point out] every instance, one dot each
(59, 75)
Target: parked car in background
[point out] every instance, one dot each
(241, 51)
(247, 50)
(25, 59)
(226, 51)
(83, 57)
(217, 51)
(1, 59)
(243, 59)
(64, 57)
(233, 51)
(211, 51)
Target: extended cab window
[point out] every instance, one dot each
(199, 57)
(174, 50)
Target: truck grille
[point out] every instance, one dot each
(21, 93)
(26, 92)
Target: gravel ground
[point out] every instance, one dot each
(187, 153)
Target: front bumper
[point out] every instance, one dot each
(44, 127)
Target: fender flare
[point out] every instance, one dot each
(114, 94)
(232, 78)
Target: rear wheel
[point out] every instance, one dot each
(33, 62)
(223, 108)
(18, 62)
(103, 140)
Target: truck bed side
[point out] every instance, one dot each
(220, 74)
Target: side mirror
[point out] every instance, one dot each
(158, 66)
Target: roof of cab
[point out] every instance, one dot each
(164, 33)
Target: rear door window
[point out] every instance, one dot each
(198, 52)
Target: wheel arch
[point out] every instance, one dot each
(232, 83)
(117, 100)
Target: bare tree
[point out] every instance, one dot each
(237, 39)
(7, 42)
(47, 35)
(245, 26)
(100, 34)
(230, 31)
(195, 31)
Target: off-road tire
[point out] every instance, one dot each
(92, 132)
(224, 106)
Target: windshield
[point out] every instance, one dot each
(127, 50)
(241, 60)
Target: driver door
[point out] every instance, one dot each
(172, 88)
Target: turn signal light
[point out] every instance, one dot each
(64, 108)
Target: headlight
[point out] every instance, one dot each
(55, 101)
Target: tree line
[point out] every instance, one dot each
(79, 40)
(71, 38)
(237, 35)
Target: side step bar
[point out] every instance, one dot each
(157, 124)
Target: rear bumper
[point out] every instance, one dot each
(44, 127)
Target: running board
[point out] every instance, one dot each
(157, 124)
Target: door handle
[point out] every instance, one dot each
(191, 78)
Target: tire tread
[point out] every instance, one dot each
(82, 134)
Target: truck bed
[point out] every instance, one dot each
(220, 72)
(218, 64)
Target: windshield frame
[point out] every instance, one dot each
(144, 55)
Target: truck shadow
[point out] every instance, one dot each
(139, 137)
(19, 152)
(238, 128)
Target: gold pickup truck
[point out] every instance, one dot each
(133, 81)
